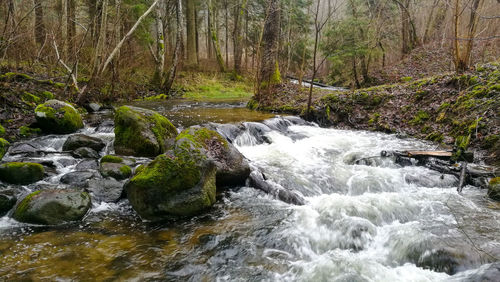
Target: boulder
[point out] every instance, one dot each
(78, 178)
(53, 206)
(21, 173)
(2, 130)
(105, 189)
(85, 153)
(7, 200)
(80, 140)
(118, 160)
(58, 117)
(143, 133)
(116, 170)
(4, 147)
(494, 188)
(87, 165)
(232, 167)
(178, 183)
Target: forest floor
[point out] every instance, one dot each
(453, 110)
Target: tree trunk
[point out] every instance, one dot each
(178, 44)
(160, 47)
(237, 46)
(70, 27)
(191, 57)
(269, 69)
(215, 40)
(39, 24)
(227, 33)
(101, 39)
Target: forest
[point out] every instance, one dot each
(250, 140)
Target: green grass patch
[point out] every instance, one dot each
(202, 86)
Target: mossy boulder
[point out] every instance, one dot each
(142, 133)
(58, 117)
(178, 183)
(80, 140)
(232, 167)
(21, 173)
(116, 170)
(53, 206)
(494, 189)
(4, 147)
(2, 130)
(7, 200)
(111, 159)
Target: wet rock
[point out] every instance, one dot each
(227, 130)
(80, 140)
(87, 165)
(93, 107)
(21, 173)
(441, 260)
(106, 126)
(118, 160)
(143, 133)
(7, 200)
(78, 178)
(105, 189)
(178, 183)
(54, 206)
(232, 167)
(4, 146)
(494, 189)
(67, 162)
(489, 273)
(116, 170)
(85, 153)
(257, 180)
(58, 117)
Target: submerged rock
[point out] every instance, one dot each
(58, 117)
(53, 206)
(4, 146)
(494, 189)
(21, 173)
(143, 133)
(178, 183)
(7, 200)
(80, 140)
(232, 167)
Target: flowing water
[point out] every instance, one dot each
(360, 223)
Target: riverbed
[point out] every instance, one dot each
(378, 222)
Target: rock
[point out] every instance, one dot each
(116, 170)
(494, 189)
(4, 147)
(105, 189)
(441, 260)
(232, 167)
(53, 206)
(178, 183)
(78, 178)
(21, 173)
(80, 140)
(93, 107)
(118, 160)
(2, 130)
(85, 153)
(486, 273)
(58, 117)
(7, 200)
(87, 165)
(143, 133)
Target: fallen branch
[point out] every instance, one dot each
(59, 60)
(257, 180)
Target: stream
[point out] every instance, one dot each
(378, 222)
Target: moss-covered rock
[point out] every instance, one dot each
(53, 206)
(21, 173)
(494, 189)
(4, 147)
(143, 133)
(232, 167)
(178, 183)
(111, 159)
(7, 200)
(59, 117)
(26, 132)
(116, 170)
(2, 130)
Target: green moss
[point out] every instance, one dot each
(2, 130)
(406, 78)
(111, 159)
(21, 173)
(374, 119)
(420, 117)
(495, 181)
(25, 131)
(276, 77)
(4, 146)
(126, 170)
(58, 119)
(22, 207)
(425, 129)
(435, 136)
(444, 106)
(29, 98)
(47, 95)
(15, 76)
(490, 141)
(252, 104)
(420, 94)
(202, 136)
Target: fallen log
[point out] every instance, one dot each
(257, 180)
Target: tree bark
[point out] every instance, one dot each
(215, 40)
(237, 46)
(160, 47)
(191, 57)
(39, 23)
(178, 44)
(70, 27)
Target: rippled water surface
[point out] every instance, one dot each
(359, 223)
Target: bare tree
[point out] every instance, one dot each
(215, 40)
(178, 44)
